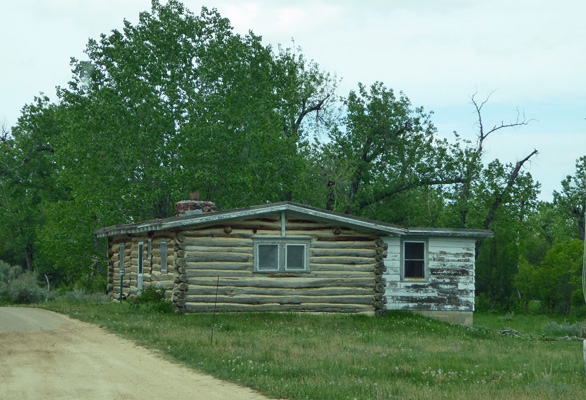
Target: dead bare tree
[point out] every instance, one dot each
(473, 167)
(5, 135)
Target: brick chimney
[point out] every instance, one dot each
(194, 206)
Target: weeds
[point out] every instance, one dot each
(302, 356)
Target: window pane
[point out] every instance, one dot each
(268, 257)
(414, 269)
(295, 255)
(164, 256)
(414, 251)
(140, 255)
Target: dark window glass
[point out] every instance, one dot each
(414, 251)
(164, 256)
(295, 254)
(268, 257)
(414, 269)
(414, 260)
(140, 260)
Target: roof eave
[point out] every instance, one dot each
(225, 216)
(464, 233)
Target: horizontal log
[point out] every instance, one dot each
(198, 256)
(219, 265)
(219, 233)
(305, 225)
(342, 252)
(343, 244)
(341, 260)
(170, 252)
(283, 283)
(349, 238)
(194, 273)
(221, 249)
(218, 241)
(157, 260)
(157, 276)
(343, 267)
(233, 291)
(329, 233)
(180, 262)
(312, 307)
(293, 299)
(166, 285)
(257, 224)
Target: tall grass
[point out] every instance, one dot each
(300, 356)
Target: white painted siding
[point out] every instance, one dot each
(449, 283)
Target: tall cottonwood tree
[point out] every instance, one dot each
(174, 104)
(571, 200)
(388, 148)
(495, 196)
(27, 180)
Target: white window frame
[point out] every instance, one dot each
(404, 260)
(282, 245)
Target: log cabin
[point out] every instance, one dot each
(291, 257)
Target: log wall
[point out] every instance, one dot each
(345, 269)
(152, 273)
(449, 283)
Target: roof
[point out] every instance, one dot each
(294, 209)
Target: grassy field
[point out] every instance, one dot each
(399, 356)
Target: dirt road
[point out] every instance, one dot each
(44, 355)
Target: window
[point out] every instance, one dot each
(150, 252)
(281, 255)
(121, 265)
(294, 257)
(414, 260)
(163, 256)
(140, 255)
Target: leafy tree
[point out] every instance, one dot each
(27, 180)
(174, 104)
(387, 149)
(495, 196)
(571, 201)
(556, 281)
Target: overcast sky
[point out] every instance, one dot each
(530, 54)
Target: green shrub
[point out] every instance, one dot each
(17, 286)
(154, 300)
(553, 329)
(25, 289)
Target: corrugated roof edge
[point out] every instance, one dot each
(448, 232)
(252, 211)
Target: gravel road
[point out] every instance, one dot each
(44, 355)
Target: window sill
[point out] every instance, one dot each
(415, 280)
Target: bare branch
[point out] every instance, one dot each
(482, 135)
(4, 134)
(408, 186)
(500, 197)
(304, 111)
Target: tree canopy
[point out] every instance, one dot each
(179, 103)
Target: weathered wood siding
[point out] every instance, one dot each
(345, 268)
(152, 274)
(449, 283)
